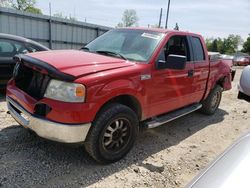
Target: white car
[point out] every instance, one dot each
(244, 85)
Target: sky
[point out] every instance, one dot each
(210, 18)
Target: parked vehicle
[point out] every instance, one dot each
(229, 170)
(242, 61)
(225, 56)
(123, 80)
(11, 45)
(244, 85)
(216, 56)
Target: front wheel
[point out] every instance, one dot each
(212, 102)
(113, 133)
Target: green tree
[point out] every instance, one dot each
(60, 15)
(231, 43)
(26, 5)
(209, 42)
(129, 18)
(214, 46)
(227, 45)
(33, 10)
(5, 3)
(246, 46)
(119, 25)
(220, 45)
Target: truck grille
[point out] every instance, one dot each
(31, 81)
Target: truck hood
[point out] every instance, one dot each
(79, 63)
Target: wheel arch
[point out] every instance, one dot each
(220, 82)
(127, 100)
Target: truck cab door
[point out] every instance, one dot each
(172, 88)
(201, 67)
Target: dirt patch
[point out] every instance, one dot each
(168, 156)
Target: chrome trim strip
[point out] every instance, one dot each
(59, 132)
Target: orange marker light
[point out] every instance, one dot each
(80, 91)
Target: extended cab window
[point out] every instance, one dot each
(198, 49)
(176, 45)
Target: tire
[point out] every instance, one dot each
(212, 102)
(113, 134)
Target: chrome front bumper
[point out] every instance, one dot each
(59, 132)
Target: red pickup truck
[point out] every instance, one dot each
(125, 79)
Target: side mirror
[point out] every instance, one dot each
(177, 62)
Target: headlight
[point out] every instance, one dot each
(65, 91)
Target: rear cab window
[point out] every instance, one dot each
(199, 54)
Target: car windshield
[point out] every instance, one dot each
(134, 45)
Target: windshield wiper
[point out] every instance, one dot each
(111, 53)
(85, 48)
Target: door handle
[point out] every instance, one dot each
(190, 73)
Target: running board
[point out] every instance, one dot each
(160, 120)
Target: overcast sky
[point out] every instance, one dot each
(211, 18)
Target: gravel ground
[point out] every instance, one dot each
(168, 156)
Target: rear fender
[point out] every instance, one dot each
(223, 78)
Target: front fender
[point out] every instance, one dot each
(101, 94)
(120, 87)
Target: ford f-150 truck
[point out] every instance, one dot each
(126, 79)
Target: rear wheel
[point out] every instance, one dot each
(113, 133)
(212, 102)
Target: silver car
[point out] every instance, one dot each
(230, 170)
(244, 85)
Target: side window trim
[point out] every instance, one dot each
(190, 44)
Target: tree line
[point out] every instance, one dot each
(229, 45)
(30, 6)
(22, 5)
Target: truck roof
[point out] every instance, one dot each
(160, 30)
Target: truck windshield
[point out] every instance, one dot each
(134, 45)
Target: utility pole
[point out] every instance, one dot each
(160, 19)
(50, 9)
(50, 27)
(166, 26)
